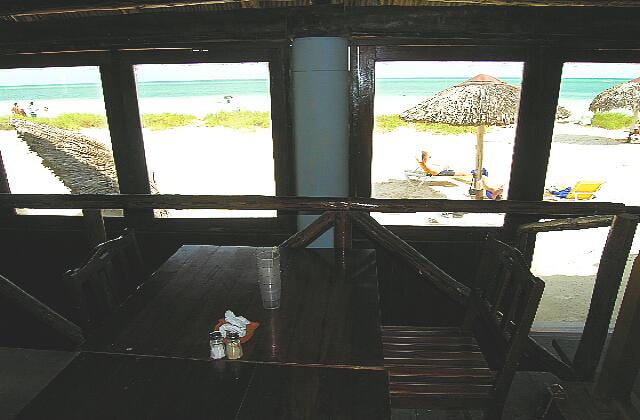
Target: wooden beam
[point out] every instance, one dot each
(94, 226)
(435, 52)
(5, 189)
(575, 223)
(311, 232)
(612, 265)
(362, 93)
(312, 204)
(621, 363)
(43, 7)
(123, 115)
(39, 310)
(578, 27)
(534, 132)
(424, 267)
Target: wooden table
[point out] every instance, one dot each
(328, 315)
(318, 356)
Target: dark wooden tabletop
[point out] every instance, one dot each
(112, 386)
(329, 314)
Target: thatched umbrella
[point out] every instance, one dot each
(480, 101)
(623, 96)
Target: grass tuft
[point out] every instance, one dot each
(238, 120)
(388, 123)
(4, 122)
(72, 121)
(611, 120)
(166, 120)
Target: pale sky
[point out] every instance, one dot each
(177, 72)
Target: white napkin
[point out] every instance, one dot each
(237, 324)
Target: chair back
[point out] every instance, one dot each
(112, 273)
(502, 306)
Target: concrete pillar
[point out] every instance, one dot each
(320, 76)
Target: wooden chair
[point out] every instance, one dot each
(111, 274)
(470, 367)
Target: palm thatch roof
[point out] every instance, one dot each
(481, 100)
(623, 96)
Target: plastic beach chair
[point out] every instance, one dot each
(422, 174)
(582, 190)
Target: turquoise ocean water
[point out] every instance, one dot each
(571, 89)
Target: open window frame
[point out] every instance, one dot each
(119, 91)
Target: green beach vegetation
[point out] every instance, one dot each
(239, 120)
(4, 123)
(72, 121)
(611, 120)
(388, 123)
(166, 120)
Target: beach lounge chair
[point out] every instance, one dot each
(422, 173)
(582, 190)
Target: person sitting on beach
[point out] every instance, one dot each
(433, 169)
(493, 193)
(15, 109)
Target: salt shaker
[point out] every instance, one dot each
(217, 345)
(234, 348)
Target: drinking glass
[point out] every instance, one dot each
(268, 264)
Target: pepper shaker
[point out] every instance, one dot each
(234, 348)
(217, 345)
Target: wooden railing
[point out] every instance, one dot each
(309, 204)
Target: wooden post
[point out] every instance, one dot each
(4, 188)
(536, 118)
(342, 231)
(621, 363)
(477, 177)
(612, 265)
(123, 115)
(362, 92)
(94, 225)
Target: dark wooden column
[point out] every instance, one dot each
(4, 188)
(121, 104)
(361, 102)
(534, 132)
(281, 130)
